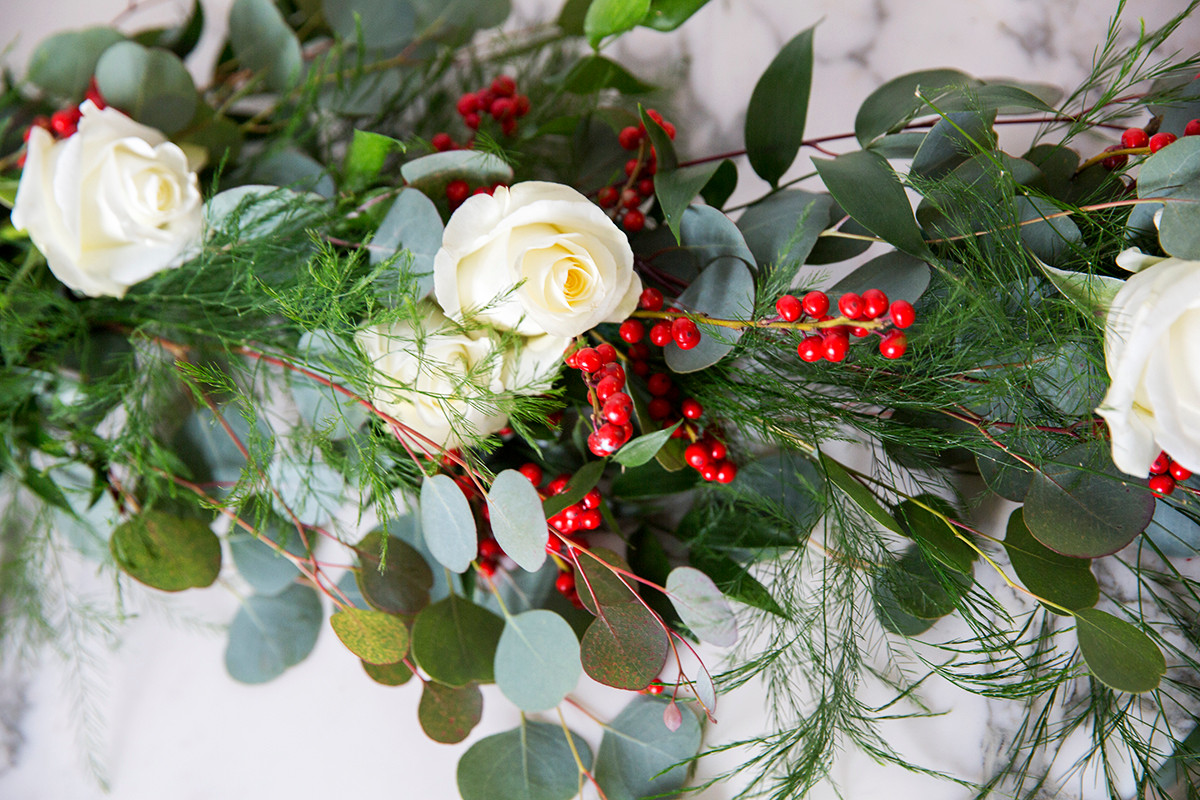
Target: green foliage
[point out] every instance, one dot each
(866, 186)
(605, 18)
(448, 714)
(454, 641)
(595, 73)
(150, 84)
(640, 757)
(167, 552)
(263, 43)
(532, 762)
(537, 660)
(373, 636)
(63, 64)
(1174, 172)
(642, 449)
(1059, 579)
(271, 633)
(1117, 653)
(518, 524)
(449, 523)
(778, 109)
(392, 575)
(702, 606)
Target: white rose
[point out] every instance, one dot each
(1152, 351)
(448, 384)
(536, 258)
(110, 205)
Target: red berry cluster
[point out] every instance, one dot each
(1165, 473)
(1137, 138)
(612, 405)
(833, 343)
(64, 122)
(457, 191)
(679, 329)
(626, 197)
(498, 100)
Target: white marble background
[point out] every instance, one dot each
(157, 715)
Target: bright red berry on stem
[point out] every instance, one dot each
(590, 520)
(531, 471)
(726, 472)
(633, 221)
(685, 333)
(558, 485)
(607, 353)
(504, 86)
(650, 299)
(93, 94)
(501, 108)
(489, 548)
(565, 582)
(588, 360)
(789, 308)
(1134, 137)
(1192, 128)
(1162, 462)
(659, 384)
(1162, 485)
(468, 104)
(487, 567)
(1179, 472)
(816, 304)
(471, 120)
(717, 450)
(696, 455)
(660, 333)
(64, 122)
(629, 138)
(612, 368)
(835, 345)
(893, 344)
(607, 440)
(1114, 162)
(851, 305)
(632, 331)
(608, 387)
(645, 187)
(617, 413)
(631, 167)
(591, 499)
(608, 196)
(457, 191)
(811, 348)
(630, 198)
(521, 105)
(692, 409)
(1160, 140)
(442, 142)
(903, 314)
(659, 408)
(875, 303)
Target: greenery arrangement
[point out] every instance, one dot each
(394, 263)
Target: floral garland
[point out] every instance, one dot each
(235, 310)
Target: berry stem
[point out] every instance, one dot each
(773, 323)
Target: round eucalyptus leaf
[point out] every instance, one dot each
(920, 589)
(291, 168)
(1062, 580)
(896, 274)
(270, 634)
(448, 524)
(431, 174)
(396, 579)
(261, 565)
(785, 226)
(1004, 475)
(312, 490)
(1053, 238)
(264, 43)
(448, 714)
(532, 762)
(518, 522)
(537, 660)
(640, 757)
(951, 139)
(374, 636)
(937, 537)
(702, 606)
(598, 583)
(63, 64)
(411, 225)
(455, 641)
(167, 552)
(625, 646)
(1175, 172)
(1117, 653)
(1174, 532)
(375, 23)
(149, 84)
(724, 290)
(396, 674)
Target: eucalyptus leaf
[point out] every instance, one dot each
(402, 585)
(455, 641)
(1054, 238)
(778, 109)
(166, 552)
(537, 660)
(396, 674)
(149, 84)
(291, 168)
(374, 636)
(264, 43)
(412, 225)
(625, 646)
(1117, 653)
(532, 762)
(951, 140)
(448, 714)
(63, 64)
(1062, 580)
(895, 103)
(1004, 475)
(518, 522)
(270, 634)
(1174, 172)
(261, 565)
(921, 517)
(1091, 292)
(920, 588)
(702, 606)
(431, 174)
(598, 584)
(595, 73)
(640, 757)
(311, 490)
(896, 274)
(448, 524)
(785, 226)
(868, 188)
(1174, 532)
(377, 24)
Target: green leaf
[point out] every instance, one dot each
(396, 674)
(667, 15)
(1052, 240)
(936, 537)
(836, 474)
(785, 226)
(181, 39)
(270, 634)
(1091, 292)
(595, 73)
(364, 160)
(532, 762)
(919, 588)
(448, 714)
(1174, 172)
(374, 636)
(778, 109)
(570, 19)
(609, 17)
(891, 616)
(640, 757)
(701, 606)
(1118, 654)
(1062, 580)
(894, 104)
(734, 580)
(625, 646)
(515, 511)
(455, 641)
(261, 565)
(677, 188)
(264, 43)
(600, 586)
(167, 552)
(431, 174)
(63, 64)
(896, 274)
(412, 225)
(150, 85)
(402, 585)
(1081, 505)
(643, 449)
(1004, 475)
(311, 490)
(720, 186)
(582, 482)
(537, 660)
(831, 249)
(448, 523)
(652, 480)
(988, 97)
(951, 140)
(1174, 532)
(865, 184)
(379, 23)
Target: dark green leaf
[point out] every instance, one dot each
(921, 589)
(677, 188)
(1175, 172)
(264, 43)
(936, 537)
(1054, 238)
(952, 140)
(595, 73)
(640, 757)
(167, 552)
(537, 660)
(402, 585)
(1081, 505)
(667, 15)
(448, 714)
(720, 186)
(892, 105)
(1004, 475)
(734, 580)
(580, 484)
(1118, 654)
(832, 249)
(270, 634)
(625, 646)
(898, 275)
(532, 762)
(643, 449)
(778, 108)
(1003, 97)
(455, 641)
(1062, 580)
(836, 474)
(181, 39)
(570, 19)
(150, 85)
(652, 480)
(262, 566)
(664, 147)
(448, 523)
(865, 184)
(373, 636)
(518, 523)
(377, 24)
(64, 64)
(388, 674)
(610, 17)
(894, 618)
(1174, 532)
(785, 226)
(598, 585)
(293, 169)
(905, 144)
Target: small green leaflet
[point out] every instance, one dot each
(537, 660)
(518, 523)
(374, 636)
(701, 606)
(448, 714)
(641, 450)
(580, 484)
(448, 524)
(1118, 654)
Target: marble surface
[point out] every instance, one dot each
(152, 713)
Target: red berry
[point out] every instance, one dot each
(631, 166)
(816, 304)
(717, 450)
(442, 142)
(645, 187)
(482, 190)
(696, 455)
(565, 582)
(1192, 128)
(640, 368)
(1158, 141)
(608, 196)
(811, 348)
(1114, 162)
(508, 126)
(607, 353)
(692, 409)
(726, 472)
(502, 108)
(851, 305)
(875, 303)
(685, 333)
(591, 500)
(858, 332)
(485, 97)
(709, 472)
(660, 333)
(893, 344)
(1179, 472)
(650, 299)
(471, 120)
(629, 138)
(616, 413)
(632, 330)
(64, 122)
(560, 521)
(521, 105)
(487, 567)
(468, 104)
(1162, 485)
(640, 351)
(504, 86)
(588, 360)
(1162, 462)
(630, 198)
(903, 314)
(789, 308)
(608, 439)
(93, 94)
(835, 345)
(1134, 137)
(612, 368)
(457, 191)
(659, 384)
(590, 520)
(531, 471)
(489, 548)
(608, 387)
(633, 221)
(659, 408)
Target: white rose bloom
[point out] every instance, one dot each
(110, 205)
(1152, 351)
(536, 258)
(443, 383)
